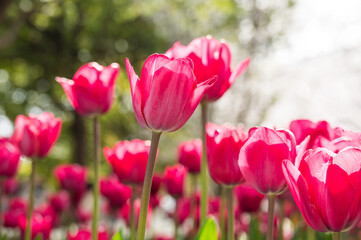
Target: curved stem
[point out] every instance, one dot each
(96, 178)
(221, 213)
(31, 201)
(147, 185)
(336, 236)
(132, 215)
(230, 224)
(204, 183)
(270, 220)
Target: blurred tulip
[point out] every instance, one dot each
(17, 208)
(115, 192)
(35, 135)
(82, 216)
(167, 93)
(60, 201)
(9, 158)
(11, 186)
(210, 58)
(129, 160)
(85, 234)
(260, 159)
(47, 210)
(72, 177)
(91, 92)
(223, 146)
(325, 187)
(174, 177)
(190, 155)
(156, 183)
(248, 198)
(125, 212)
(183, 209)
(40, 226)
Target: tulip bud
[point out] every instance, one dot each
(9, 158)
(190, 155)
(174, 179)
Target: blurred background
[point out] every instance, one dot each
(306, 63)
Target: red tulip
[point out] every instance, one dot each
(85, 234)
(47, 210)
(91, 92)
(167, 93)
(260, 159)
(248, 198)
(60, 201)
(210, 58)
(190, 155)
(174, 178)
(11, 186)
(156, 183)
(17, 208)
(183, 209)
(9, 158)
(325, 187)
(72, 177)
(116, 193)
(36, 135)
(129, 160)
(40, 226)
(223, 146)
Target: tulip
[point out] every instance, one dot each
(174, 180)
(11, 186)
(325, 187)
(260, 160)
(16, 209)
(40, 226)
(156, 183)
(164, 98)
(72, 178)
(60, 201)
(35, 136)
(85, 234)
(129, 160)
(190, 155)
(248, 198)
(116, 193)
(47, 210)
(91, 92)
(9, 158)
(210, 58)
(82, 216)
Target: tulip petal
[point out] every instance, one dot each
(87, 74)
(301, 149)
(68, 86)
(241, 67)
(299, 189)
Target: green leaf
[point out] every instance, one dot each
(39, 237)
(4, 237)
(208, 230)
(117, 236)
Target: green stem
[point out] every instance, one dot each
(230, 223)
(310, 233)
(193, 204)
(336, 235)
(96, 178)
(204, 182)
(270, 220)
(132, 215)
(31, 201)
(282, 216)
(221, 213)
(147, 185)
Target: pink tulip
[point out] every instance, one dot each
(40, 226)
(115, 192)
(9, 158)
(156, 183)
(248, 198)
(47, 210)
(129, 160)
(85, 234)
(325, 187)
(223, 146)
(166, 94)
(91, 92)
(190, 155)
(11, 186)
(35, 135)
(210, 58)
(60, 201)
(17, 208)
(72, 177)
(174, 177)
(260, 159)
(82, 216)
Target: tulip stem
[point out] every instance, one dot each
(132, 215)
(270, 221)
(31, 201)
(230, 223)
(310, 233)
(221, 214)
(96, 178)
(204, 182)
(336, 235)
(194, 204)
(147, 186)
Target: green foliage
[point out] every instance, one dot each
(208, 230)
(117, 236)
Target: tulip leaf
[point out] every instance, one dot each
(208, 231)
(117, 236)
(39, 237)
